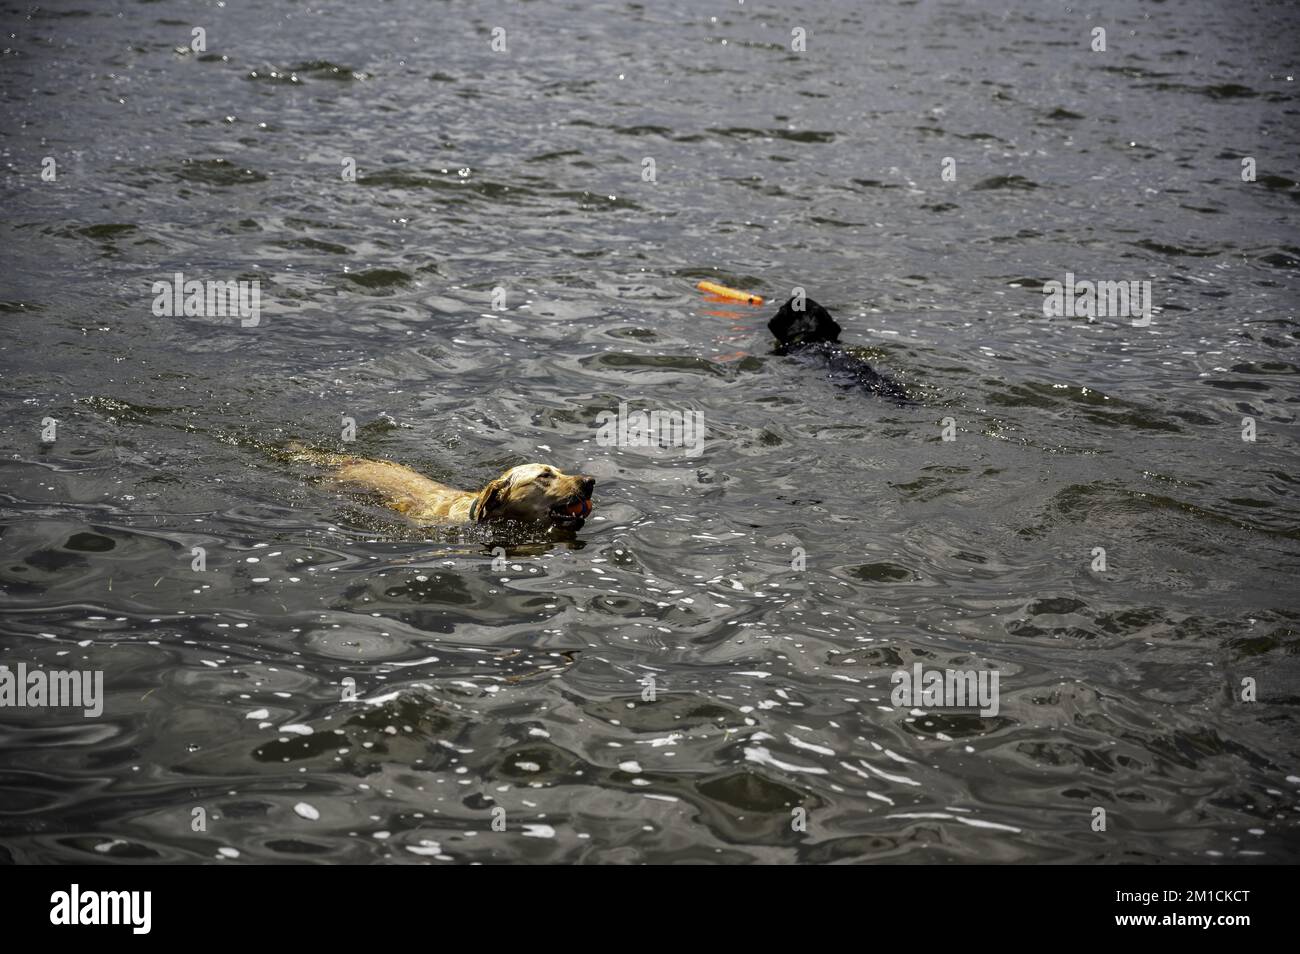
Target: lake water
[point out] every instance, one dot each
(704, 672)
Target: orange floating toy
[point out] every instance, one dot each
(722, 291)
(580, 509)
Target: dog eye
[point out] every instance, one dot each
(544, 475)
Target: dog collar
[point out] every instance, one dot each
(473, 510)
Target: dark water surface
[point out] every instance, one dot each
(521, 687)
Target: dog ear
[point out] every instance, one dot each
(828, 329)
(781, 321)
(492, 498)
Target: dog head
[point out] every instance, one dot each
(794, 327)
(537, 493)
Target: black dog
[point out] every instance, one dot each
(811, 336)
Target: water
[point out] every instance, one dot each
(521, 687)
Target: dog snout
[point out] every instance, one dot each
(586, 485)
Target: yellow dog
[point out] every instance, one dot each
(529, 493)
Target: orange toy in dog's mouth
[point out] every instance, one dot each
(572, 513)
